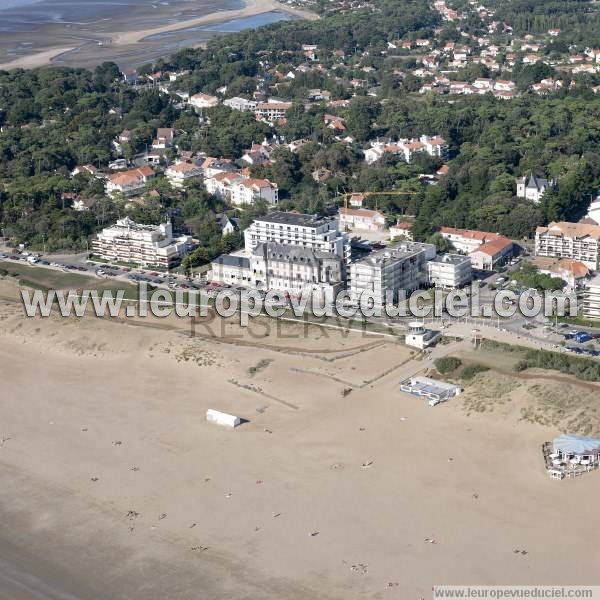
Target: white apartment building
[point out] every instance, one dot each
(591, 299)
(240, 104)
(128, 183)
(271, 111)
(231, 269)
(240, 190)
(450, 271)
(562, 239)
(434, 146)
(181, 173)
(309, 231)
(148, 245)
(384, 274)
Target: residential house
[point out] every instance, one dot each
(201, 101)
(129, 183)
(231, 269)
(228, 225)
(401, 229)
(258, 154)
(180, 173)
(533, 188)
(164, 138)
(361, 219)
(82, 204)
(124, 137)
(356, 200)
(86, 170)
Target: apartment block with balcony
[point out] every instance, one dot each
(578, 241)
(384, 275)
(450, 271)
(591, 299)
(146, 245)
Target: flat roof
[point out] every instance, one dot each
(292, 218)
(453, 259)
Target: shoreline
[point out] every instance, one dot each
(252, 8)
(35, 60)
(135, 37)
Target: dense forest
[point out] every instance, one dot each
(578, 20)
(53, 119)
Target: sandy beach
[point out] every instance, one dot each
(253, 7)
(114, 485)
(88, 45)
(39, 59)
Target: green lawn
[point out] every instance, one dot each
(41, 278)
(46, 279)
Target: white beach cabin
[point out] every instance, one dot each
(221, 418)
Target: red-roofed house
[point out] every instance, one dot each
(183, 172)
(401, 229)
(129, 182)
(489, 254)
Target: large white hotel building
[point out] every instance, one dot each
(308, 231)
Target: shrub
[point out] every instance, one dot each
(471, 370)
(447, 364)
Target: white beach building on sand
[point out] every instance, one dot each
(221, 418)
(571, 455)
(419, 336)
(433, 390)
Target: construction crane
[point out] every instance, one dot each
(366, 194)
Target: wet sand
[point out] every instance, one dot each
(125, 40)
(282, 507)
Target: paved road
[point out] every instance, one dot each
(517, 329)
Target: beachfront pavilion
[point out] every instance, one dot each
(577, 449)
(435, 391)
